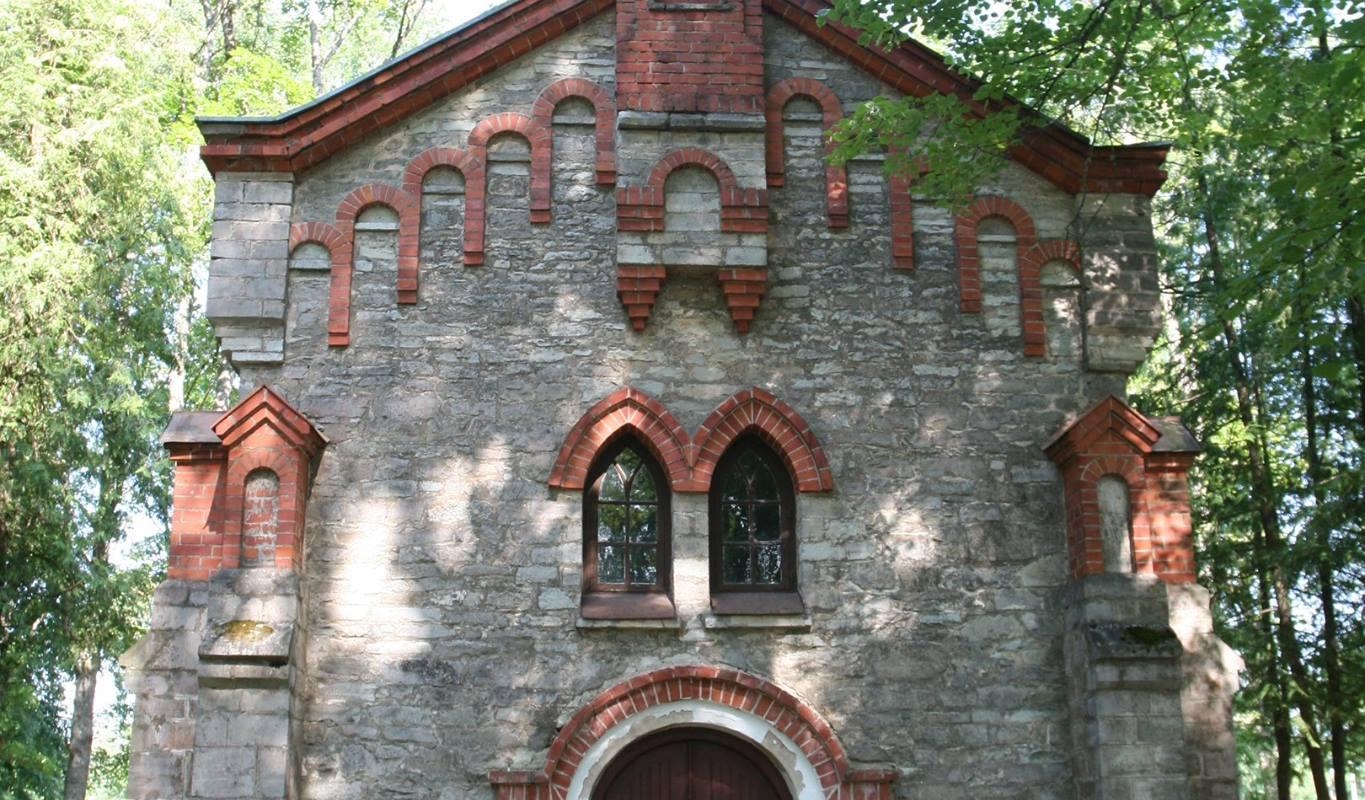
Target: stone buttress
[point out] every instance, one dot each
(214, 678)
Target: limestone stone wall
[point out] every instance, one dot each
(441, 575)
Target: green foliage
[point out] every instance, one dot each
(1263, 253)
(104, 214)
(254, 85)
(99, 220)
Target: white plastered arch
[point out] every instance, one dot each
(796, 769)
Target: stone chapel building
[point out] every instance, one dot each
(606, 442)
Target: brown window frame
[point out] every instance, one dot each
(626, 600)
(779, 598)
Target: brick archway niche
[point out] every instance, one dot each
(799, 742)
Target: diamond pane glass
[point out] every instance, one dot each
(611, 564)
(736, 563)
(769, 566)
(644, 524)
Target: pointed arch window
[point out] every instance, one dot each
(627, 546)
(753, 532)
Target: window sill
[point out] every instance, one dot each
(796, 623)
(758, 603)
(672, 624)
(620, 606)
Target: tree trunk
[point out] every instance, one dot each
(1355, 310)
(315, 44)
(82, 729)
(1279, 712)
(1331, 654)
(1263, 487)
(1322, 531)
(229, 27)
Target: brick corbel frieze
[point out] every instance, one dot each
(640, 210)
(304, 137)
(741, 691)
(1153, 457)
(214, 455)
(743, 290)
(638, 287)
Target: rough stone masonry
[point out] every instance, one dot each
(454, 284)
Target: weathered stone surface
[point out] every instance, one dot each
(437, 623)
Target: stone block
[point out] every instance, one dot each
(268, 191)
(224, 772)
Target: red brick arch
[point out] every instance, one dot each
(728, 687)
(348, 210)
(626, 410)
(265, 432)
(474, 210)
(836, 176)
(604, 107)
(1031, 265)
(537, 136)
(689, 464)
(1128, 468)
(969, 260)
(641, 208)
(319, 233)
(693, 157)
(339, 249)
(755, 410)
(1113, 439)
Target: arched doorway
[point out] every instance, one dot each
(691, 764)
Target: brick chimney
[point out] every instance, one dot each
(693, 56)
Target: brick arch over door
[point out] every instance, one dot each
(783, 711)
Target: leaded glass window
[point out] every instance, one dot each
(626, 523)
(753, 545)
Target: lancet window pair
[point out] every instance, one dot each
(627, 531)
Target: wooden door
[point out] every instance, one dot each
(691, 764)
